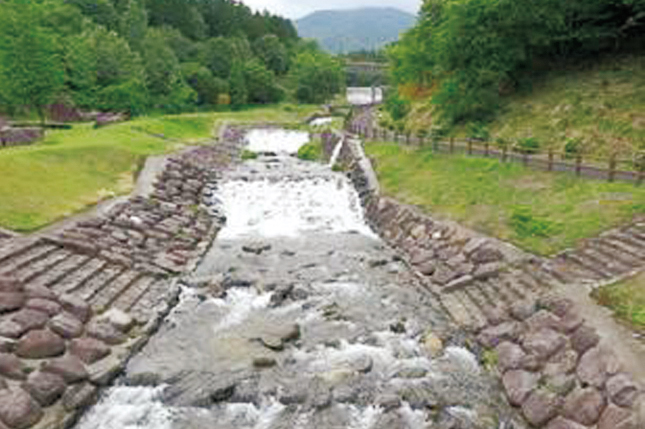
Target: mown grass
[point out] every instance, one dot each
(538, 211)
(73, 169)
(627, 299)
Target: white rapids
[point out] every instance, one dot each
(276, 140)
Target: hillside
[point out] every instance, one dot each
(342, 31)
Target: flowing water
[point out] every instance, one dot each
(363, 96)
(299, 317)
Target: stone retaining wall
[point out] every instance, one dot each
(20, 136)
(74, 306)
(552, 365)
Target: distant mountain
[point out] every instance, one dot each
(343, 31)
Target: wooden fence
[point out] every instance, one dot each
(611, 169)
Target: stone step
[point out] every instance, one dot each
(636, 233)
(559, 271)
(479, 298)
(545, 279)
(520, 289)
(26, 257)
(497, 294)
(28, 272)
(100, 280)
(55, 274)
(627, 259)
(629, 240)
(463, 311)
(14, 247)
(106, 296)
(75, 279)
(587, 268)
(130, 296)
(623, 247)
(144, 308)
(527, 276)
(610, 265)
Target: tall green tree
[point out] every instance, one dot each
(273, 53)
(318, 76)
(237, 83)
(31, 68)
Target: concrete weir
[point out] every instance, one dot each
(299, 316)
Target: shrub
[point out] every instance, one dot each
(526, 224)
(528, 145)
(397, 107)
(247, 154)
(310, 152)
(478, 131)
(573, 147)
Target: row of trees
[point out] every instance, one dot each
(469, 53)
(137, 55)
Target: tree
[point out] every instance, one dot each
(239, 93)
(208, 87)
(273, 53)
(216, 55)
(134, 24)
(318, 76)
(260, 83)
(30, 65)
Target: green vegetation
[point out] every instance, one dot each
(627, 299)
(143, 56)
(247, 154)
(317, 77)
(312, 151)
(539, 211)
(73, 169)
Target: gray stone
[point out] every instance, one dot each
(571, 321)
(522, 310)
(69, 367)
(411, 373)
(622, 390)
(563, 362)
(427, 268)
(10, 284)
(319, 394)
(492, 336)
(544, 343)
(509, 356)
(562, 384)
(11, 329)
(10, 301)
(36, 291)
(119, 319)
(256, 248)
(558, 305)
(51, 308)
(106, 332)
(486, 255)
(30, 319)
(66, 325)
(7, 345)
(584, 338)
(596, 365)
(540, 407)
(77, 306)
(443, 274)
(79, 396)
(292, 394)
(264, 362)
(101, 373)
(18, 410)
(496, 315)
(89, 350)
(518, 384)
(11, 367)
(40, 344)
(562, 423)
(584, 406)
(615, 417)
(45, 387)
(388, 401)
(543, 319)
(489, 270)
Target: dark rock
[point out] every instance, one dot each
(256, 248)
(543, 319)
(485, 255)
(622, 390)
(443, 274)
(558, 305)
(584, 338)
(51, 308)
(77, 306)
(30, 319)
(10, 301)
(363, 364)
(584, 406)
(292, 394)
(79, 396)
(388, 402)
(11, 367)
(522, 310)
(319, 394)
(544, 343)
(596, 365)
(615, 417)
(89, 350)
(281, 294)
(518, 385)
(509, 356)
(492, 336)
(571, 321)
(562, 384)
(7, 345)
(264, 362)
(18, 410)
(69, 367)
(44, 387)
(66, 325)
(540, 407)
(40, 344)
(199, 389)
(563, 362)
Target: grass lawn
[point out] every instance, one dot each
(538, 211)
(627, 299)
(73, 169)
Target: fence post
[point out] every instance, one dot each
(641, 176)
(578, 165)
(525, 158)
(504, 153)
(407, 137)
(452, 144)
(470, 146)
(612, 167)
(486, 149)
(550, 159)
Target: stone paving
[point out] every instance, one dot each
(553, 364)
(77, 303)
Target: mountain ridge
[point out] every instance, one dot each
(343, 31)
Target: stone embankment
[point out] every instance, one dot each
(553, 364)
(75, 305)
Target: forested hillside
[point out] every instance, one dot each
(470, 62)
(135, 56)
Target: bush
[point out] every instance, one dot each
(525, 224)
(573, 147)
(310, 152)
(478, 131)
(528, 145)
(247, 154)
(397, 107)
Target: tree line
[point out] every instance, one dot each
(135, 56)
(468, 54)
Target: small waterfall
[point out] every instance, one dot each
(336, 153)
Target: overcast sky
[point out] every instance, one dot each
(295, 9)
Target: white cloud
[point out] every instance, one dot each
(298, 8)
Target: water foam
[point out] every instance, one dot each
(276, 140)
(240, 303)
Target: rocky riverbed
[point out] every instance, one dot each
(300, 317)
